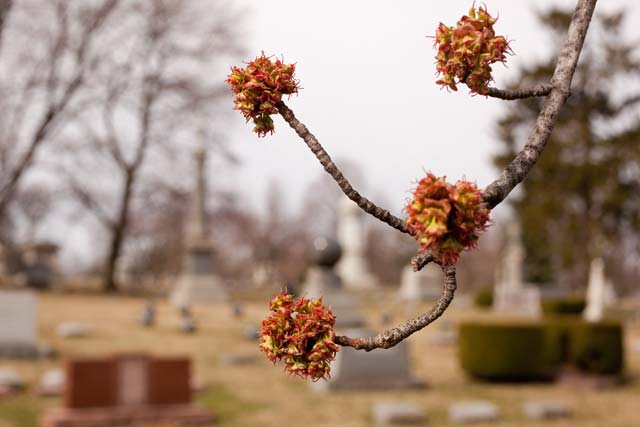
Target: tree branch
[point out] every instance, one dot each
(328, 165)
(528, 92)
(518, 169)
(391, 337)
(419, 261)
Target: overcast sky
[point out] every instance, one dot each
(367, 72)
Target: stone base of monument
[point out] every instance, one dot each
(198, 289)
(377, 369)
(424, 285)
(345, 308)
(524, 301)
(128, 416)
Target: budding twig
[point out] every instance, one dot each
(528, 92)
(556, 93)
(331, 168)
(393, 336)
(418, 262)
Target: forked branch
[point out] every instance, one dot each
(556, 93)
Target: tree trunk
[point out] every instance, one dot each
(119, 230)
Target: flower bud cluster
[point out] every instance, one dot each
(446, 218)
(259, 87)
(466, 51)
(300, 332)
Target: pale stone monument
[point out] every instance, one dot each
(18, 326)
(198, 282)
(511, 294)
(596, 292)
(352, 267)
(423, 285)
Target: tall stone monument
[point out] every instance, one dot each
(198, 282)
(352, 369)
(511, 294)
(353, 267)
(323, 281)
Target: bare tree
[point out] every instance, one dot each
(149, 99)
(40, 84)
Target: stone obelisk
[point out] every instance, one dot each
(352, 267)
(198, 283)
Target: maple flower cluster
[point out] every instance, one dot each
(466, 51)
(446, 218)
(259, 87)
(301, 333)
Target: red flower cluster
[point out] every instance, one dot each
(259, 87)
(446, 218)
(466, 51)
(301, 333)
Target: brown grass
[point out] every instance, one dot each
(262, 395)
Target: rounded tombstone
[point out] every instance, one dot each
(325, 251)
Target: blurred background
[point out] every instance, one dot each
(142, 222)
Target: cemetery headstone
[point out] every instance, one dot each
(187, 324)
(51, 383)
(352, 267)
(72, 330)
(470, 412)
(377, 369)
(18, 336)
(198, 282)
(398, 414)
(251, 332)
(511, 294)
(4, 270)
(11, 379)
(238, 310)
(445, 334)
(148, 314)
(545, 409)
(237, 359)
(127, 391)
(41, 264)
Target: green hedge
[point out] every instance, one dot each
(536, 350)
(567, 305)
(505, 351)
(597, 347)
(483, 298)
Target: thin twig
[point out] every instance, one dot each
(518, 169)
(418, 262)
(393, 336)
(528, 92)
(331, 168)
